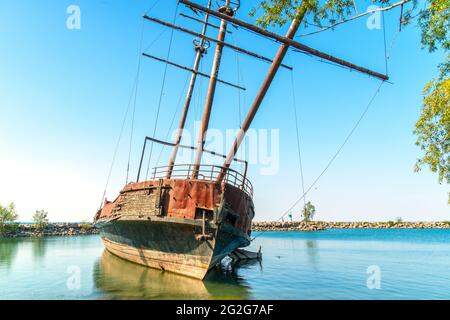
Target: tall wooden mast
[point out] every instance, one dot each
(264, 88)
(226, 14)
(286, 42)
(212, 88)
(200, 49)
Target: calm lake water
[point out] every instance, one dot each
(332, 264)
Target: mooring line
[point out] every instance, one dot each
(332, 158)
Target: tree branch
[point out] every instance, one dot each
(401, 3)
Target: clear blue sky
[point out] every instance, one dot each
(65, 92)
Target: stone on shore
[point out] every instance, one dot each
(52, 229)
(322, 225)
(74, 229)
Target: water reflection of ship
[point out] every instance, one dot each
(120, 279)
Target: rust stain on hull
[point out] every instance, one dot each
(184, 226)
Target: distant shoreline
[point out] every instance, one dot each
(323, 225)
(27, 230)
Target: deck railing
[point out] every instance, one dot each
(206, 172)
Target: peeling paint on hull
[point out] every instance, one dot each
(180, 226)
(170, 247)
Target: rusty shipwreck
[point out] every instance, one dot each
(183, 225)
(185, 218)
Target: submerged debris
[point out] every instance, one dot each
(242, 255)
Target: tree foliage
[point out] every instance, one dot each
(433, 18)
(8, 216)
(434, 21)
(40, 219)
(308, 212)
(278, 12)
(433, 129)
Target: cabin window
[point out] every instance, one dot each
(209, 214)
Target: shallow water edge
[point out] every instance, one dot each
(330, 264)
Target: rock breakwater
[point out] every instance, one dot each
(52, 229)
(322, 225)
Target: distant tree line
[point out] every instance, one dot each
(9, 217)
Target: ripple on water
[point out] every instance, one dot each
(330, 264)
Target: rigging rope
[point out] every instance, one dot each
(155, 40)
(162, 91)
(399, 29)
(297, 131)
(118, 142)
(152, 7)
(377, 91)
(119, 139)
(333, 158)
(174, 116)
(197, 112)
(385, 46)
(134, 105)
(238, 73)
(394, 38)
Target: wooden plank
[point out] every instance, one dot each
(187, 265)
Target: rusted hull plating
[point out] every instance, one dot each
(181, 226)
(188, 265)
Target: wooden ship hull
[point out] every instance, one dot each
(116, 278)
(185, 226)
